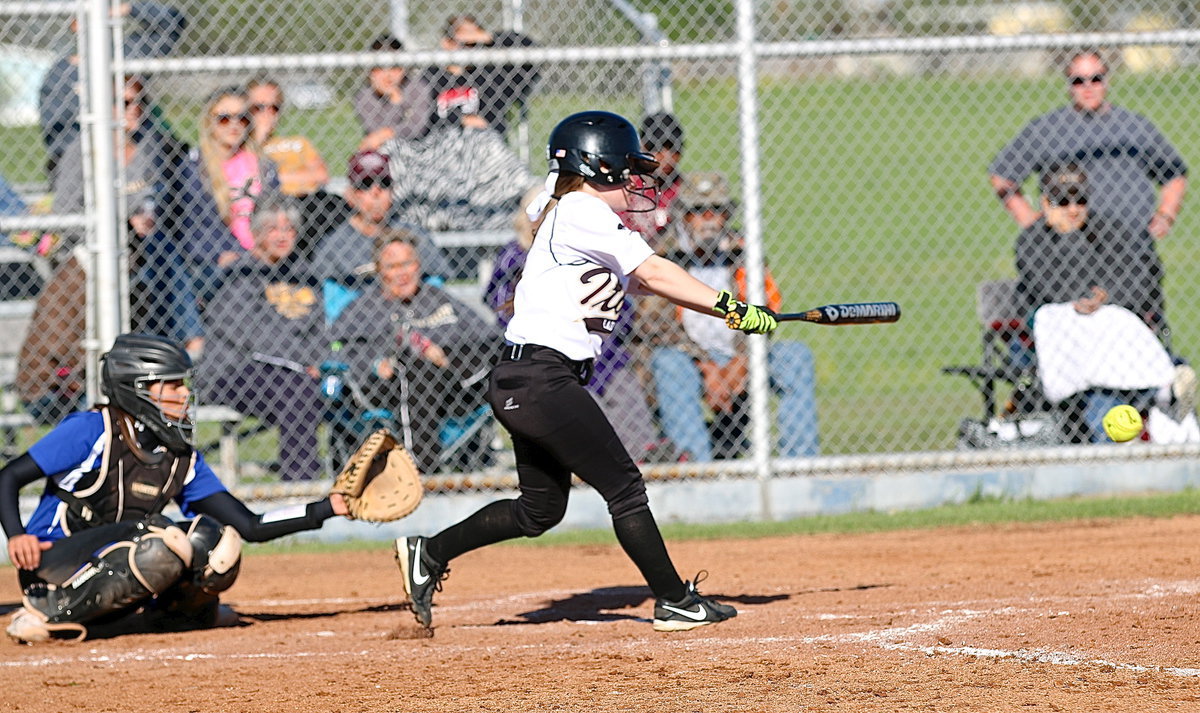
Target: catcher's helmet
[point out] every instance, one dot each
(600, 146)
(127, 370)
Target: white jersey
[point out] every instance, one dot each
(575, 277)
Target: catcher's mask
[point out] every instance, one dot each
(605, 149)
(137, 361)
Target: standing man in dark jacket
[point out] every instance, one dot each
(1135, 174)
(157, 31)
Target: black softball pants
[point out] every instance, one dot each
(558, 429)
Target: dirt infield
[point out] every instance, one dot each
(1095, 616)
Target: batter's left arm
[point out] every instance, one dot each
(664, 278)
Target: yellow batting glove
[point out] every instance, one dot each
(751, 319)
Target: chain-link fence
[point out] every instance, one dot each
(321, 200)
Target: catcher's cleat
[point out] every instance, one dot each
(691, 611)
(422, 576)
(27, 627)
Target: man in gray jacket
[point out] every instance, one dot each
(416, 351)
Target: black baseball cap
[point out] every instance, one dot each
(1064, 181)
(662, 130)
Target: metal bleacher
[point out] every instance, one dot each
(22, 276)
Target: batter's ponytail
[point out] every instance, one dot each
(564, 184)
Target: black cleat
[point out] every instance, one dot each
(422, 576)
(690, 612)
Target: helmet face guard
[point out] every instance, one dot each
(641, 191)
(182, 427)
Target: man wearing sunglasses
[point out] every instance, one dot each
(1091, 290)
(1125, 156)
(697, 369)
(347, 253)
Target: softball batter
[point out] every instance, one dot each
(582, 261)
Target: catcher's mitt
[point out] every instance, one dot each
(380, 481)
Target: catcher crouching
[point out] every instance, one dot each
(98, 557)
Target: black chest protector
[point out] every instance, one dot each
(128, 486)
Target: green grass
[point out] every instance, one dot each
(872, 190)
(978, 513)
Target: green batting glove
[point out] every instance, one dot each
(725, 303)
(749, 318)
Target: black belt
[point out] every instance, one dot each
(523, 352)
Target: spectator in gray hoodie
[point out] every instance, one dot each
(266, 335)
(416, 350)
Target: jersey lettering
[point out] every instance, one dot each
(602, 303)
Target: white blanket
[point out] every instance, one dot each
(1109, 348)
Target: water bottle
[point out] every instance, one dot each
(332, 386)
(332, 383)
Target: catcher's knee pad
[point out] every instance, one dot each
(119, 575)
(217, 554)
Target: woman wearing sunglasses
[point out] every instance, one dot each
(232, 172)
(302, 171)
(1088, 288)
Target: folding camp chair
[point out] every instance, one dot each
(1025, 418)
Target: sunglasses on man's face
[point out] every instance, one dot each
(259, 108)
(1080, 81)
(1077, 200)
(715, 208)
(369, 183)
(227, 119)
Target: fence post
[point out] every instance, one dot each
(752, 222)
(96, 115)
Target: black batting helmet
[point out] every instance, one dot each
(600, 146)
(127, 370)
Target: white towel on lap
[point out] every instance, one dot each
(1109, 348)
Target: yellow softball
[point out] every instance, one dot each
(1123, 423)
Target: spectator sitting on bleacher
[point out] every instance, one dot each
(153, 30)
(480, 96)
(302, 171)
(266, 335)
(50, 377)
(394, 104)
(697, 362)
(457, 178)
(11, 204)
(1092, 290)
(415, 350)
(152, 161)
(662, 138)
(226, 176)
(348, 252)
